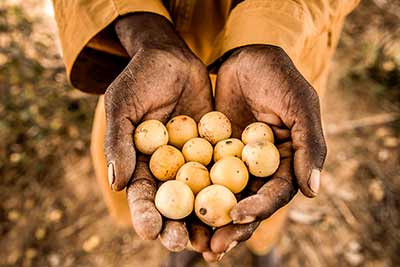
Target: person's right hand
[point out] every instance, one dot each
(164, 78)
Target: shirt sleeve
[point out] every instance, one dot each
(88, 44)
(295, 26)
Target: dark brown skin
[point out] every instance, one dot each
(255, 83)
(163, 79)
(260, 83)
(174, 236)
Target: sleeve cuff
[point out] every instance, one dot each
(285, 24)
(78, 23)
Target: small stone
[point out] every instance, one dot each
(55, 215)
(354, 259)
(30, 253)
(382, 132)
(305, 217)
(13, 215)
(79, 145)
(389, 65)
(92, 243)
(353, 253)
(15, 157)
(383, 155)
(40, 233)
(354, 246)
(376, 190)
(391, 142)
(56, 124)
(73, 132)
(54, 259)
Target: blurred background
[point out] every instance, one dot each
(52, 213)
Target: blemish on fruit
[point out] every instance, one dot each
(203, 211)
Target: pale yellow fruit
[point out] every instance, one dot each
(228, 147)
(257, 132)
(213, 205)
(199, 150)
(195, 175)
(215, 126)
(180, 129)
(149, 136)
(231, 173)
(262, 159)
(165, 162)
(174, 199)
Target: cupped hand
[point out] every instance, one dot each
(261, 83)
(162, 79)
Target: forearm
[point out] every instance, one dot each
(146, 31)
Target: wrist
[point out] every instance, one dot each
(146, 31)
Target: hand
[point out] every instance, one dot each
(261, 83)
(164, 78)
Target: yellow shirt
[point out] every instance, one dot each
(308, 30)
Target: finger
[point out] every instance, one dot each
(174, 236)
(281, 134)
(120, 152)
(212, 257)
(199, 235)
(308, 143)
(227, 237)
(274, 194)
(126, 105)
(146, 219)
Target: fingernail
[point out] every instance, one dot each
(111, 176)
(314, 181)
(220, 256)
(231, 246)
(245, 219)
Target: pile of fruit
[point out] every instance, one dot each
(201, 167)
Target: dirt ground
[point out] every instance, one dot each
(52, 213)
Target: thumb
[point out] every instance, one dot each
(309, 145)
(119, 147)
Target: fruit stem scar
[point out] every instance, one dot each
(203, 211)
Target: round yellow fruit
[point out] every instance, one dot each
(257, 132)
(231, 173)
(213, 205)
(149, 136)
(165, 162)
(195, 175)
(174, 199)
(199, 150)
(215, 126)
(180, 129)
(228, 147)
(262, 159)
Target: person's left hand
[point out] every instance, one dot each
(261, 83)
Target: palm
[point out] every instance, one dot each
(157, 84)
(260, 83)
